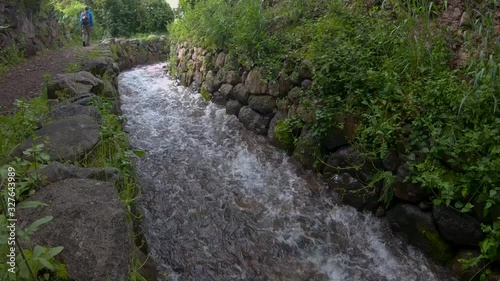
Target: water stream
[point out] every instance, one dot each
(220, 203)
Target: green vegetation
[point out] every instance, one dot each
(34, 262)
(286, 133)
(10, 56)
(119, 18)
(113, 150)
(393, 67)
(23, 123)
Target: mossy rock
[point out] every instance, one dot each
(114, 50)
(205, 94)
(307, 151)
(437, 248)
(283, 136)
(420, 230)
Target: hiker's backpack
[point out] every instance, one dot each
(85, 18)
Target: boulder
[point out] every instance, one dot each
(254, 83)
(219, 98)
(419, 228)
(307, 113)
(83, 100)
(459, 228)
(334, 139)
(212, 82)
(295, 94)
(244, 76)
(100, 66)
(89, 222)
(56, 171)
(219, 61)
(233, 77)
(305, 70)
(284, 85)
(254, 121)
(351, 124)
(273, 89)
(391, 161)
(263, 104)
(69, 110)
(233, 107)
(349, 160)
(68, 139)
(272, 125)
(240, 93)
(305, 149)
(306, 84)
(405, 189)
(283, 105)
(225, 90)
(74, 84)
(197, 79)
(353, 192)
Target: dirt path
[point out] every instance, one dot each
(25, 80)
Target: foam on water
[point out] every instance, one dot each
(220, 203)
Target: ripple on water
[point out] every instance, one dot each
(221, 204)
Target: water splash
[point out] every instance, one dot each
(221, 204)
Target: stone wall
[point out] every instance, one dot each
(24, 29)
(261, 106)
(128, 53)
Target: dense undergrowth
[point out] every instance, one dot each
(391, 66)
(117, 17)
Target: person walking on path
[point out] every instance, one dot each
(87, 23)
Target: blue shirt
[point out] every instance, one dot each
(91, 18)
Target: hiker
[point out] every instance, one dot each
(87, 23)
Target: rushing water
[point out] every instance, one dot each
(220, 203)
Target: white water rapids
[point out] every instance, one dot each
(220, 203)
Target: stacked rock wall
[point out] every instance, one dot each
(128, 53)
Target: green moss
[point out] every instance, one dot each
(114, 50)
(283, 135)
(438, 249)
(205, 94)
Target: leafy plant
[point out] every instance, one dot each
(35, 262)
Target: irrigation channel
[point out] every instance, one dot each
(220, 203)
